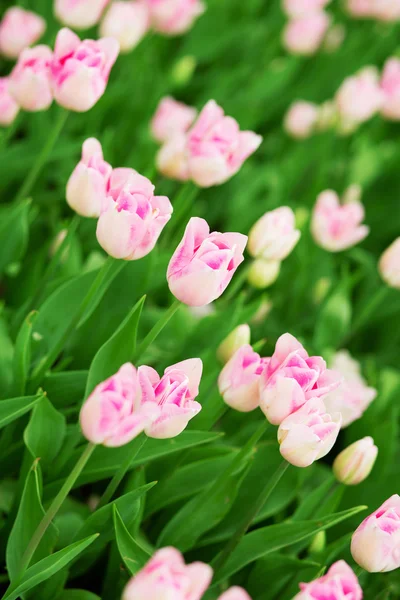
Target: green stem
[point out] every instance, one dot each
(43, 156)
(371, 306)
(158, 327)
(120, 474)
(8, 134)
(250, 516)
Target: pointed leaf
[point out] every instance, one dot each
(132, 553)
(16, 407)
(14, 231)
(45, 432)
(22, 354)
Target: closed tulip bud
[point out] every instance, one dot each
(8, 107)
(174, 17)
(336, 227)
(235, 593)
(375, 543)
(132, 218)
(355, 463)
(359, 97)
(308, 434)
(299, 8)
(30, 80)
(334, 38)
(172, 160)
(171, 118)
(204, 263)
(274, 236)
(81, 69)
(301, 119)
(318, 544)
(305, 35)
(390, 86)
(263, 273)
(237, 338)
(127, 22)
(340, 582)
(321, 289)
(238, 381)
(182, 71)
(88, 185)
(165, 576)
(19, 29)
(389, 265)
(79, 14)
(216, 147)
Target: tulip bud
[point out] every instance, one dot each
(234, 593)
(19, 29)
(30, 80)
(79, 14)
(390, 86)
(171, 159)
(237, 338)
(127, 22)
(263, 273)
(355, 463)
(305, 35)
(301, 119)
(299, 8)
(327, 116)
(171, 118)
(318, 543)
(352, 194)
(389, 265)
(321, 288)
(183, 70)
(238, 381)
(8, 107)
(174, 17)
(359, 97)
(263, 310)
(274, 236)
(334, 38)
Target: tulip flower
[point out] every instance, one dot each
(235, 340)
(216, 147)
(30, 80)
(171, 118)
(308, 434)
(19, 29)
(291, 378)
(336, 227)
(127, 22)
(274, 236)
(305, 35)
(204, 263)
(174, 17)
(355, 463)
(8, 107)
(88, 185)
(359, 98)
(338, 583)
(301, 119)
(390, 86)
(299, 8)
(172, 160)
(239, 380)
(235, 593)
(80, 69)
(79, 14)
(353, 397)
(360, 8)
(386, 10)
(132, 218)
(389, 265)
(376, 542)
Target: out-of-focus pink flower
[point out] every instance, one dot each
(274, 236)
(79, 14)
(299, 8)
(171, 118)
(305, 34)
(336, 227)
(88, 185)
(389, 265)
(386, 10)
(80, 69)
(291, 378)
(236, 339)
(132, 218)
(360, 8)
(390, 86)
(204, 263)
(239, 380)
(354, 463)
(216, 147)
(127, 22)
(339, 583)
(166, 576)
(8, 107)
(172, 159)
(235, 593)
(359, 98)
(173, 395)
(30, 80)
(375, 544)
(114, 413)
(19, 29)
(354, 396)
(301, 119)
(173, 17)
(309, 433)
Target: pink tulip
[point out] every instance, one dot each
(309, 433)
(336, 227)
(88, 185)
(274, 236)
(353, 465)
(216, 147)
(79, 14)
(80, 70)
(8, 107)
(114, 413)
(19, 29)
(354, 396)
(171, 118)
(359, 98)
(299, 8)
(390, 86)
(235, 593)
(339, 583)
(173, 17)
(172, 160)
(375, 544)
(239, 380)
(389, 265)
(360, 8)
(173, 396)
(386, 10)
(204, 263)
(30, 80)
(127, 22)
(166, 577)
(305, 35)
(301, 118)
(291, 378)
(132, 218)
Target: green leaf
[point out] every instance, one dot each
(45, 432)
(118, 350)
(12, 409)
(78, 595)
(334, 320)
(22, 354)
(272, 538)
(66, 388)
(313, 501)
(133, 555)
(14, 231)
(47, 567)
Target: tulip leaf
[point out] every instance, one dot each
(22, 354)
(14, 231)
(66, 388)
(132, 553)
(16, 407)
(78, 595)
(334, 320)
(45, 432)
